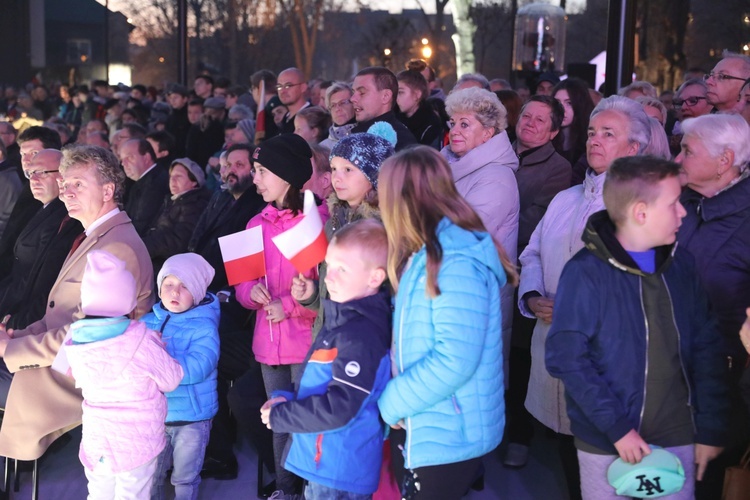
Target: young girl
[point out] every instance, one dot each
(283, 327)
(573, 94)
(418, 116)
(188, 319)
(123, 370)
(445, 402)
(355, 162)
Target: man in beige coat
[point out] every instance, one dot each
(42, 402)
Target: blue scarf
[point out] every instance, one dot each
(94, 329)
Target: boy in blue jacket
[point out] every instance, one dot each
(188, 319)
(337, 434)
(632, 338)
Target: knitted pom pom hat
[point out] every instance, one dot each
(367, 150)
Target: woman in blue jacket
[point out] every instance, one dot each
(445, 402)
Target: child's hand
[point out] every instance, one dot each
(632, 448)
(399, 425)
(260, 294)
(745, 332)
(275, 311)
(265, 410)
(542, 308)
(704, 454)
(302, 288)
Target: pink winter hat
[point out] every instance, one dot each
(107, 289)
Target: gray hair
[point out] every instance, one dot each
(106, 164)
(726, 54)
(239, 112)
(473, 77)
(721, 132)
(644, 88)
(640, 127)
(484, 104)
(334, 88)
(659, 144)
(653, 102)
(693, 81)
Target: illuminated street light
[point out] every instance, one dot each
(387, 52)
(425, 41)
(161, 59)
(426, 52)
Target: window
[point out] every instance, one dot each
(79, 51)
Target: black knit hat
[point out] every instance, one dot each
(288, 156)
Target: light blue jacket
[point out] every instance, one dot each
(192, 338)
(447, 351)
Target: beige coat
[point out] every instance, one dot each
(43, 403)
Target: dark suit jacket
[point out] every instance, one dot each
(145, 197)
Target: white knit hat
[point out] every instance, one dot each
(107, 288)
(192, 270)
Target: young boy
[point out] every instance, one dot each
(188, 319)
(632, 338)
(337, 435)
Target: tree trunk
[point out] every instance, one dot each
(464, 37)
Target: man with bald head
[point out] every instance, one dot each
(144, 198)
(41, 247)
(292, 90)
(725, 81)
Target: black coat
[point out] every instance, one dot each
(202, 144)
(39, 253)
(24, 209)
(145, 197)
(171, 231)
(426, 126)
(178, 125)
(224, 215)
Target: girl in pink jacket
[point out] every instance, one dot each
(282, 334)
(123, 371)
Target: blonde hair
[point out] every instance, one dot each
(416, 192)
(369, 238)
(483, 104)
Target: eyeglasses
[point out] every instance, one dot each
(690, 101)
(721, 77)
(287, 86)
(340, 104)
(39, 174)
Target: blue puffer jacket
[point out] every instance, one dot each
(192, 338)
(448, 353)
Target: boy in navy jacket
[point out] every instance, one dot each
(337, 434)
(632, 338)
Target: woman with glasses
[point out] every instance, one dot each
(689, 102)
(338, 102)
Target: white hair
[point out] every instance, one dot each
(721, 132)
(659, 144)
(485, 106)
(640, 127)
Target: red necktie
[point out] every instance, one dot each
(77, 243)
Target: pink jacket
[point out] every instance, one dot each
(123, 380)
(286, 342)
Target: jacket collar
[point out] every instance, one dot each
(593, 184)
(731, 201)
(599, 238)
(497, 149)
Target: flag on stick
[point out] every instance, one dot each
(260, 117)
(305, 244)
(243, 255)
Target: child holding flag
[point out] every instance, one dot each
(355, 162)
(282, 334)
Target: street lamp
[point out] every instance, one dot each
(387, 52)
(426, 52)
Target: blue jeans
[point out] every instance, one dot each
(316, 491)
(186, 445)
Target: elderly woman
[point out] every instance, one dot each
(716, 230)
(618, 127)
(338, 102)
(483, 165)
(171, 231)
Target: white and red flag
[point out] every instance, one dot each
(305, 244)
(243, 255)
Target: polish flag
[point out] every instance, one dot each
(305, 244)
(260, 118)
(243, 255)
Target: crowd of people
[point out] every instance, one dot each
(498, 259)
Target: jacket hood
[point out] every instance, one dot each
(497, 150)
(376, 308)
(599, 238)
(477, 246)
(210, 310)
(105, 360)
(342, 214)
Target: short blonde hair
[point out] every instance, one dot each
(369, 238)
(484, 104)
